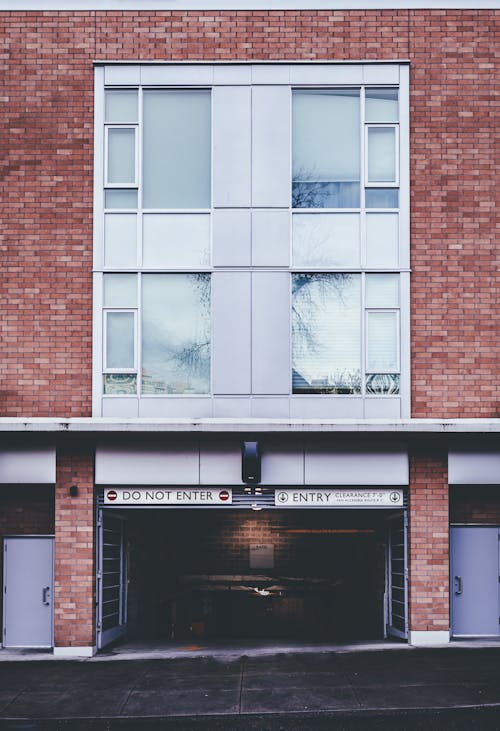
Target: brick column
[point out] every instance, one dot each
(74, 571)
(429, 580)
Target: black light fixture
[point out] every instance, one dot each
(250, 463)
(73, 490)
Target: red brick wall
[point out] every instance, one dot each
(25, 510)
(74, 581)
(46, 164)
(428, 543)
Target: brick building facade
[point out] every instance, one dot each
(92, 226)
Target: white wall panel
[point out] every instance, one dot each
(231, 298)
(282, 464)
(231, 237)
(474, 468)
(175, 464)
(270, 238)
(192, 407)
(271, 333)
(382, 408)
(231, 407)
(120, 407)
(181, 74)
(36, 465)
(271, 149)
(233, 74)
(270, 407)
(325, 74)
(326, 407)
(345, 466)
(220, 464)
(231, 146)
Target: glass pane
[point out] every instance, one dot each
(381, 155)
(176, 240)
(385, 384)
(120, 198)
(177, 145)
(382, 341)
(120, 290)
(326, 333)
(326, 239)
(176, 333)
(121, 156)
(121, 106)
(382, 240)
(382, 198)
(382, 290)
(325, 148)
(120, 384)
(381, 105)
(120, 340)
(120, 240)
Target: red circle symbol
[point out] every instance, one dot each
(112, 495)
(223, 495)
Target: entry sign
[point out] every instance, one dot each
(172, 496)
(335, 498)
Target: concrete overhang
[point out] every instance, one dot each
(105, 426)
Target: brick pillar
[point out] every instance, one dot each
(429, 578)
(74, 571)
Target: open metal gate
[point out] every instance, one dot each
(397, 576)
(111, 578)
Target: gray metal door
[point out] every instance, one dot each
(28, 591)
(111, 578)
(397, 576)
(474, 581)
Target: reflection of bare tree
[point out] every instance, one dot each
(309, 192)
(311, 294)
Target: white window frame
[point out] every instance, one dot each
(397, 370)
(112, 310)
(382, 183)
(107, 184)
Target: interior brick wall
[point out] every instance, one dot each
(476, 504)
(428, 543)
(46, 163)
(74, 563)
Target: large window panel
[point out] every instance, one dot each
(326, 148)
(176, 149)
(326, 333)
(175, 333)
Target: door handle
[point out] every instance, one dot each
(459, 587)
(45, 592)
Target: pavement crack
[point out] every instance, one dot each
(134, 686)
(243, 664)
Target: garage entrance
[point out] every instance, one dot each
(196, 574)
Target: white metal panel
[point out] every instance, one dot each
(343, 465)
(234, 75)
(28, 591)
(168, 407)
(177, 75)
(36, 465)
(326, 74)
(382, 408)
(271, 147)
(282, 463)
(231, 146)
(231, 407)
(149, 465)
(270, 333)
(270, 407)
(231, 237)
(220, 463)
(270, 238)
(270, 74)
(127, 407)
(126, 75)
(231, 297)
(381, 73)
(326, 407)
(474, 467)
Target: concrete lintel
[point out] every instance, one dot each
(428, 638)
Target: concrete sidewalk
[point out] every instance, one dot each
(456, 688)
